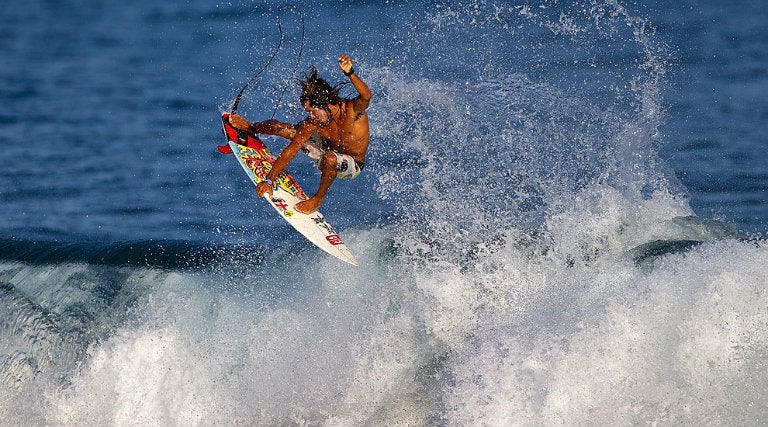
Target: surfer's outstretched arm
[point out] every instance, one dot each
(301, 135)
(267, 127)
(274, 127)
(364, 98)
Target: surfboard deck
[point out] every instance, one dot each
(256, 160)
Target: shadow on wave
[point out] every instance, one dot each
(159, 254)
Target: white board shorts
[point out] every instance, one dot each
(346, 166)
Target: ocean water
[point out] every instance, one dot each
(562, 219)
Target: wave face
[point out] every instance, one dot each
(535, 262)
(561, 328)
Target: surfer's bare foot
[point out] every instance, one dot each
(308, 206)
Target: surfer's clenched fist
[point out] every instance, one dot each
(345, 62)
(265, 188)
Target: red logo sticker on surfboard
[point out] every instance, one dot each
(334, 239)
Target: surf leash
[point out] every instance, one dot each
(255, 76)
(295, 67)
(269, 62)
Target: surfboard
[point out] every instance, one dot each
(256, 160)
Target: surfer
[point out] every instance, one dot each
(335, 133)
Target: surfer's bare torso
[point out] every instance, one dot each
(343, 123)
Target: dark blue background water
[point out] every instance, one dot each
(548, 222)
(717, 111)
(110, 111)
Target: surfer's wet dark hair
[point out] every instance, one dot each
(318, 92)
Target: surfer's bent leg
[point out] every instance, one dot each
(315, 147)
(347, 167)
(327, 165)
